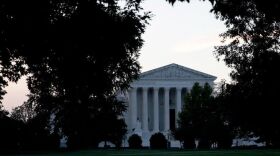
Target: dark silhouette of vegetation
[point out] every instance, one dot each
(38, 135)
(76, 55)
(253, 52)
(135, 141)
(184, 134)
(113, 129)
(232, 9)
(32, 134)
(158, 141)
(202, 119)
(9, 133)
(24, 112)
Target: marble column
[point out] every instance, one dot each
(133, 107)
(166, 109)
(178, 104)
(156, 110)
(145, 110)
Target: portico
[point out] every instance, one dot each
(156, 98)
(143, 116)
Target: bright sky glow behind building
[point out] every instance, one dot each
(185, 34)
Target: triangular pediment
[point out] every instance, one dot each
(175, 71)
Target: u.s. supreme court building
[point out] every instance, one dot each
(156, 98)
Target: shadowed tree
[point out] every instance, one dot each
(135, 141)
(77, 54)
(35, 130)
(232, 9)
(192, 120)
(24, 112)
(252, 50)
(254, 54)
(51, 40)
(158, 141)
(11, 134)
(202, 119)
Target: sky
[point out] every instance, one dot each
(184, 33)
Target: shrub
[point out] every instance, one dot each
(135, 141)
(158, 141)
(189, 143)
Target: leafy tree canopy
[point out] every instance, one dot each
(232, 9)
(252, 49)
(253, 53)
(76, 55)
(202, 119)
(158, 141)
(135, 141)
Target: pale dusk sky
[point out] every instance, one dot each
(185, 34)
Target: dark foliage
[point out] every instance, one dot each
(232, 9)
(158, 141)
(135, 141)
(19, 136)
(185, 134)
(253, 53)
(99, 42)
(76, 55)
(202, 118)
(37, 136)
(24, 112)
(10, 133)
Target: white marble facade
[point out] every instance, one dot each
(156, 98)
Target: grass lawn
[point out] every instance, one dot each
(163, 153)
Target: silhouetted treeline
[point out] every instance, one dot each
(76, 56)
(251, 101)
(203, 120)
(18, 136)
(252, 50)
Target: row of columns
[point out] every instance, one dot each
(133, 107)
